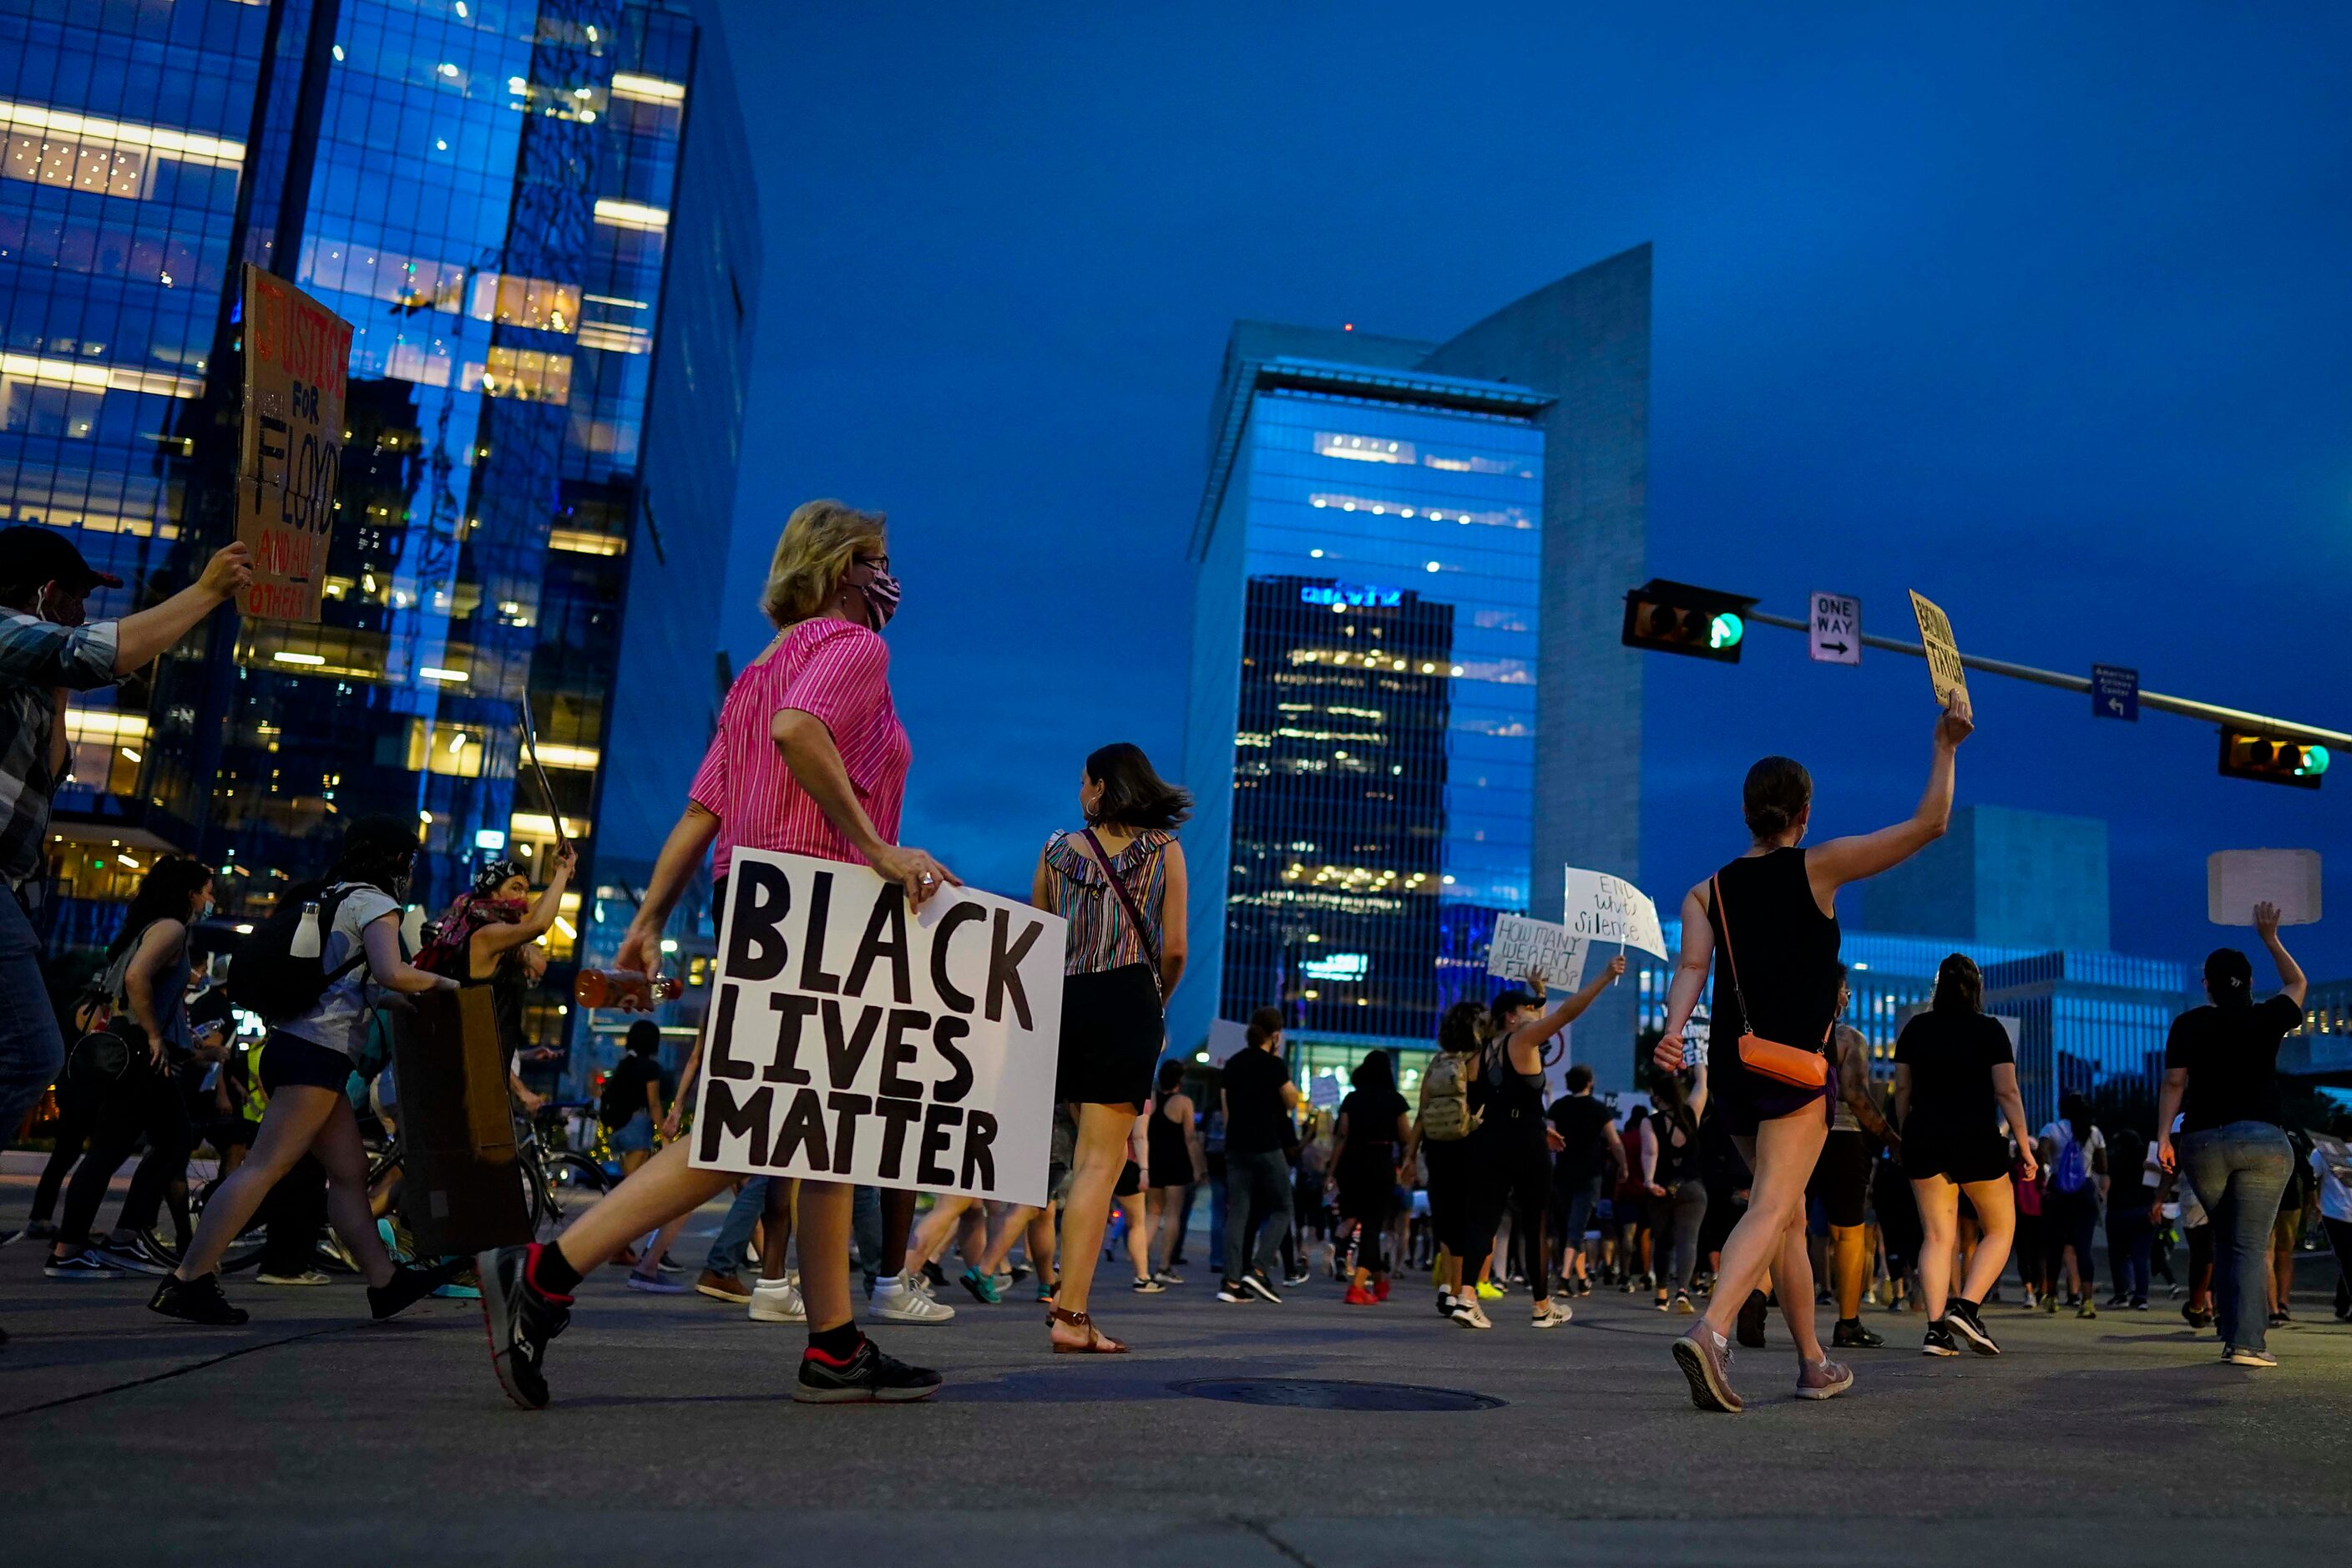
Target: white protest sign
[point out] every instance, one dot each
(2238, 879)
(852, 1040)
(1225, 1037)
(1602, 908)
(1945, 672)
(1833, 629)
(1698, 1032)
(1521, 944)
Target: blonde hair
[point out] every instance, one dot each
(820, 540)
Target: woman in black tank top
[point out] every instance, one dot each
(1766, 924)
(1173, 1146)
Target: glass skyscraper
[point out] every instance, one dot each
(1381, 585)
(537, 217)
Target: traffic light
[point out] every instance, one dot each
(1674, 617)
(2249, 755)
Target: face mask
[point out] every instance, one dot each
(58, 609)
(881, 592)
(205, 910)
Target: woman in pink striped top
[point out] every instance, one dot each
(810, 759)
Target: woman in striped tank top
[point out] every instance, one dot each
(1119, 882)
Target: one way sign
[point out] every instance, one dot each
(1835, 629)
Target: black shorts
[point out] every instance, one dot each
(291, 1059)
(1840, 1178)
(1112, 1034)
(1958, 1157)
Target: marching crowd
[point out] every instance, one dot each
(1769, 1169)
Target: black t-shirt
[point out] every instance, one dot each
(1257, 1120)
(1951, 1056)
(2232, 1055)
(626, 1086)
(1583, 1124)
(1371, 1117)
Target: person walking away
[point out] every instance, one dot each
(2331, 1172)
(1629, 1210)
(2221, 1073)
(2132, 1216)
(809, 759)
(1773, 912)
(1177, 1164)
(1515, 1157)
(126, 1073)
(1366, 1169)
(48, 648)
(635, 1099)
(1677, 1192)
(2032, 1243)
(1452, 1098)
(1257, 1095)
(1588, 1154)
(1954, 1072)
(2073, 1154)
(1119, 882)
(1840, 1178)
(306, 1068)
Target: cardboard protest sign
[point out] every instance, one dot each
(2238, 879)
(291, 445)
(1521, 944)
(1945, 672)
(853, 1040)
(1602, 908)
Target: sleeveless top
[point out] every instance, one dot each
(1170, 1155)
(1102, 937)
(1514, 1098)
(1675, 1164)
(1786, 952)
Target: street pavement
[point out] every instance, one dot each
(127, 1438)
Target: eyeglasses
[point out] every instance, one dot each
(879, 562)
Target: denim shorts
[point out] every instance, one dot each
(635, 1135)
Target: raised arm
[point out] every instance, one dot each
(2292, 983)
(681, 853)
(139, 637)
(504, 936)
(1544, 1028)
(1832, 865)
(1690, 978)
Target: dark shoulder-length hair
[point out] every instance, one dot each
(1463, 1029)
(1133, 792)
(163, 894)
(377, 850)
(1374, 1073)
(1959, 986)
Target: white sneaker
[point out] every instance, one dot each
(899, 1301)
(1552, 1315)
(1469, 1314)
(776, 1301)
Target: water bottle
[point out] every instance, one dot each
(624, 988)
(306, 942)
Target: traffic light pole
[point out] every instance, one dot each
(2188, 709)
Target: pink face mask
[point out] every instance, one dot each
(881, 592)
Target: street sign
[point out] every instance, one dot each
(2115, 692)
(1835, 629)
(1945, 672)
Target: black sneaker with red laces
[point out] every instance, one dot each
(865, 1377)
(521, 1318)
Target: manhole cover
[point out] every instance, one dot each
(1314, 1394)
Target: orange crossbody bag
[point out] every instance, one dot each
(1770, 1058)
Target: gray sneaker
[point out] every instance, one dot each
(1823, 1379)
(1705, 1357)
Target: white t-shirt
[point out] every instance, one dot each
(338, 1022)
(2058, 1132)
(2335, 1201)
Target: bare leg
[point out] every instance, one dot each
(649, 1264)
(1939, 1213)
(898, 1220)
(288, 1128)
(1011, 1226)
(776, 1229)
(1782, 1155)
(1103, 1132)
(338, 1148)
(823, 1217)
(1040, 1245)
(1139, 1233)
(663, 1188)
(1996, 1207)
(939, 1229)
(1849, 1262)
(1171, 1209)
(1795, 1273)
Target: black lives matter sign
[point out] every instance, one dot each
(853, 1038)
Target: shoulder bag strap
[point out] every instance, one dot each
(1127, 901)
(1723, 916)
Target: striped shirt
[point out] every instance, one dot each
(36, 656)
(1101, 935)
(840, 673)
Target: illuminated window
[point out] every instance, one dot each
(525, 373)
(1363, 448)
(517, 301)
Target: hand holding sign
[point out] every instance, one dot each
(1957, 723)
(1945, 671)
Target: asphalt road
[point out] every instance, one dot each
(126, 1438)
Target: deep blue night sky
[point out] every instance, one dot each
(2044, 315)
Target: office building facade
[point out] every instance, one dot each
(1401, 657)
(539, 219)
(2004, 877)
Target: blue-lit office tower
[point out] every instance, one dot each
(1409, 709)
(540, 220)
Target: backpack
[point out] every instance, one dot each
(1445, 1114)
(2070, 1173)
(614, 1107)
(266, 977)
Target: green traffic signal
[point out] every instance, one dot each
(1729, 628)
(2315, 763)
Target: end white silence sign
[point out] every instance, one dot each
(1602, 908)
(852, 1039)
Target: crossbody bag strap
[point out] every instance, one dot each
(1715, 886)
(1127, 901)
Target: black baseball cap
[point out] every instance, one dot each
(30, 552)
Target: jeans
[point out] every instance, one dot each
(1257, 1188)
(2240, 1171)
(1579, 1198)
(1677, 1215)
(734, 1238)
(2130, 1238)
(2339, 1236)
(865, 1229)
(142, 1101)
(31, 1047)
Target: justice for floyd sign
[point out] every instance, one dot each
(291, 450)
(855, 1040)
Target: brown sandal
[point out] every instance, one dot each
(1098, 1342)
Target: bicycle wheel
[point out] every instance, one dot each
(571, 1172)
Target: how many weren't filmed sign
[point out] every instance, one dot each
(853, 1040)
